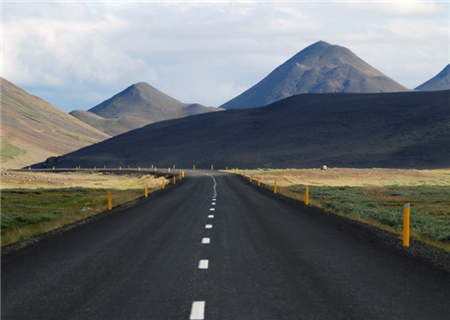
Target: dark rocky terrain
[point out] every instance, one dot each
(439, 82)
(391, 130)
(136, 106)
(319, 68)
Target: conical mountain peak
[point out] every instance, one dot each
(319, 68)
(439, 82)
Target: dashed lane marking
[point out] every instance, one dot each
(208, 226)
(206, 240)
(212, 209)
(211, 216)
(203, 264)
(198, 310)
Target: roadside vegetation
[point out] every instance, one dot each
(34, 203)
(374, 196)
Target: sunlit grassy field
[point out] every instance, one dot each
(374, 196)
(35, 202)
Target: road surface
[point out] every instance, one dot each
(215, 247)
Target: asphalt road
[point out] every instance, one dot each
(266, 259)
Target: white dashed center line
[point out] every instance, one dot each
(203, 264)
(212, 209)
(211, 216)
(198, 310)
(208, 226)
(213, 203)
(206, 240)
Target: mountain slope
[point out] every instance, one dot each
(319, 68)
(439, 82)
(33, 130)
(404, 130)
(111, 126)
(139, 101)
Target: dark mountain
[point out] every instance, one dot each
(440, 82)
(140, 102)
(319, 68)
(403, 130)
(33, 129)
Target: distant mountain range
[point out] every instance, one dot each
(439, 82)
(319, 68)
(398, 130)
(33, 130)
(136, 106)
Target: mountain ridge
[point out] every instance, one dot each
(319, 68)
(441, 81)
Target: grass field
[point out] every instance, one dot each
(374, 196)
(35, 202)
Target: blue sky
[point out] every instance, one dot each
(76, 54)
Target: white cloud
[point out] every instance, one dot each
(207, 52)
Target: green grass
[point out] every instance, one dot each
(430, 206)
(9, 150)
(26, 213)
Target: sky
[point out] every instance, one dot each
(76, 54)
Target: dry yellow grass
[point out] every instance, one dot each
(352, 177)
(91, 179)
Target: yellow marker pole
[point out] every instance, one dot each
(193, 167)
(406, 218)
(53, 168)
(168, 170)
(212, 168)
(29, 168)
(237, 170)
(128, 166)
(174, 166)
(307, 195)
(155, 169)
(104, 167)
(120, 168)
(181, 177)
(259, 182)
(250, 178)
(139, 168)
(244, 173)
(174, 180)
(152, 166)
(183, 173)
(226, 169)
(109, 200)
(146, 191)
(275, 187)
(95, 168)
(163, 184)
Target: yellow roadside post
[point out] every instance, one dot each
(237, 170)
(109, 200)
(146, 190)
(139, 168)
(183, 173)
(174, 180)
(244, 173)
(128, 166)
(307, 195)
(95, 168)
(162, 184)
(168, 170)
(29, 168)
(53, 168)
(226, 169)
(406, 217)
(104, 167)
(181, 177)
(250, 178)
(275, 187)
(120, 168)
(212, 168)
(155, 169)
(193, 168)
(259, 182)
(152, 166)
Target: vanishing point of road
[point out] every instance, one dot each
(215, 247)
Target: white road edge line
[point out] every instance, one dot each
(206, 240)
(203, 264)
(198, 310)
